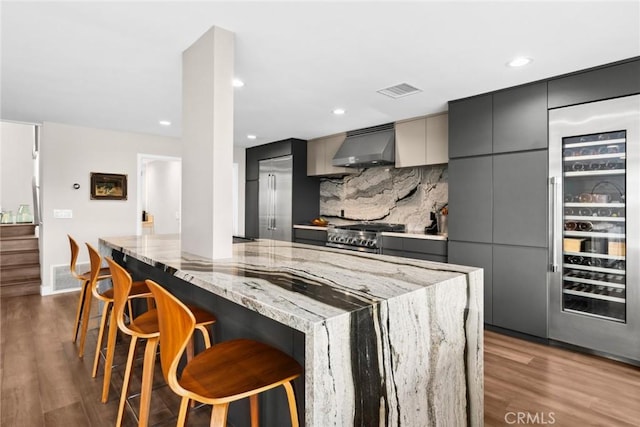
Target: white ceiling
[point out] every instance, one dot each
(117, 65)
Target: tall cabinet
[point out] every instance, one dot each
(498, 201)
(305, 190)
(499, 187)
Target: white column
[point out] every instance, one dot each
(207, 140)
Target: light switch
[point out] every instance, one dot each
(63, 213)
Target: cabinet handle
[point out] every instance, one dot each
(553, 182)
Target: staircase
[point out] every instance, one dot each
(19, 260)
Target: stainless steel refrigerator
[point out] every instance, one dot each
(594, 293)
(275, 197)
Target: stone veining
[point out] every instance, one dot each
(403, 196)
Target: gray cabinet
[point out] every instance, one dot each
(520, 289)
(416, 248)
(595, 85)
(471, 199)
(520, 198)
(251, 228)
(520, 118)
(310, 237)
(476, 255)
(471, 126)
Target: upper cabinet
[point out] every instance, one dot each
(320, 152)
(595, 85)
(520, 118)
(507, 121)
(471, 126)
(422, 141)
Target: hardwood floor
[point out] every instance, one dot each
(573, 389)
(44, 383)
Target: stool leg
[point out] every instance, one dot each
(148, 365)
(219, 415)
(80, 309)
(291, 397)
(111, 348)
(253, 403)
(182, 415)
(103, 322)
(85, 321)
(127, 379)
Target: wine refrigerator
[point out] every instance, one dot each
(594, 178)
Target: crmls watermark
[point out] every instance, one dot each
(526, 417)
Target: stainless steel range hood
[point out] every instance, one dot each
(368, 147)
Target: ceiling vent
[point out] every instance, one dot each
(398, 91)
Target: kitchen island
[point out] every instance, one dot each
(386, 340)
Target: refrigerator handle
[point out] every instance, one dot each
(270, 201)
(275, 201)
(553, 182)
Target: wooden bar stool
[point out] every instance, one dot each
(146, 327)
(138, 289)
(84, 279)
(224, 373)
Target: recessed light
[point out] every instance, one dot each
(251, 137)
(164, 123)
(519, 61)
(238, 83)
(339, 111)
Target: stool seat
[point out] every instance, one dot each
(139, 289)
(235, 369)
(103, 274)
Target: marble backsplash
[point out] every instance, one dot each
(385, 194)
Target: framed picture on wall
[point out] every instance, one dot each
(108, 186)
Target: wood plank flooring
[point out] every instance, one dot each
(44, 383)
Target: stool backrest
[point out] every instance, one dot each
(96, 263)
(176, 324)
(122, 281)
(75, 250)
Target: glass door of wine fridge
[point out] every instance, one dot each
(594, 153)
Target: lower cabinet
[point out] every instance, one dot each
(476, 255)
(515, 283)
(310, 237)
(425, 249)
(520, 289)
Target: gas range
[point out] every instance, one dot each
(361, 237)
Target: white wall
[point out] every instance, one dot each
(16, 165)
(239, 157)
(164, 180)
(68, 155)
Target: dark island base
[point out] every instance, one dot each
(235, 321)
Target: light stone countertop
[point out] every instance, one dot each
(388, 340)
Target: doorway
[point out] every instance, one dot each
(159, 194)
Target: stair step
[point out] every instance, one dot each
(22, 244)
(30, 287)
(15, 258)
(19, 272)
(14, 230)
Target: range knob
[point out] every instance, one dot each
(371, 243)
(341, 239)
